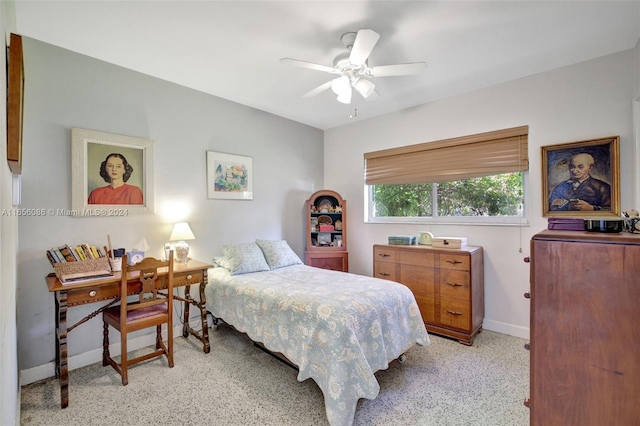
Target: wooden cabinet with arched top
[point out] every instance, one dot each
(326, 218)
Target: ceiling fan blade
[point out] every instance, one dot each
(310, 65)
(399, 69)
(317, 90)
(362, 47)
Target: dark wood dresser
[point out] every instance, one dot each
(585, 329)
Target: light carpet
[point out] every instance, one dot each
(444, 384)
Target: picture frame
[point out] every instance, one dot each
(337, 240)
(593, 189)
(229, 176)
(90, 152)
(15, 104)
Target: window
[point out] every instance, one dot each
(478, 178)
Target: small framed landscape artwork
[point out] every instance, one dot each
(229, 176)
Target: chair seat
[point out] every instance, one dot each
(137, 314)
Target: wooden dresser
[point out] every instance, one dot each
(585, 335)
(448, 285)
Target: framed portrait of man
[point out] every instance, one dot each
(581, 179)
(112, 175)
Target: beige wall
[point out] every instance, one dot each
(66, 90)
(584, 101)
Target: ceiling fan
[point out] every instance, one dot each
(353, 70)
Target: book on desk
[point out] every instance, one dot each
(85, 262)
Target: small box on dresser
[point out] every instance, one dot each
(448, 285)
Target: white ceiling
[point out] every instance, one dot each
(231, 49)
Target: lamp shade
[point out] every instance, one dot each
(345, 97)
(181, 232)
(341, 85)
(365, 87)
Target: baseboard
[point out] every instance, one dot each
(504, 328)
(45, 371)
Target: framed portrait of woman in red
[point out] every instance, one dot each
(112, 175)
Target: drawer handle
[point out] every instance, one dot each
(384, 274)
(189, 276)
(454, 284)
(454, 262)
(454, 312)
(384, 255)
(93, 293)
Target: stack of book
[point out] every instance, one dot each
(79, 263)
(65, 253)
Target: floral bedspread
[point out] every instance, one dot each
(338, 328)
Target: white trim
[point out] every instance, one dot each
(45, 371)
(504, 328)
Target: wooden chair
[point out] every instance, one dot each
(150, 308)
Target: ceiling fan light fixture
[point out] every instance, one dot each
(345, 97)
(365, 87)
(341, 85)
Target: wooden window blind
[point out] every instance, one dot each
(465, 157)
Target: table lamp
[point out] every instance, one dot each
(181, 232)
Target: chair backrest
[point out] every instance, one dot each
(150, 271)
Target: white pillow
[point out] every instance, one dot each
(244, 258)
(278, 253)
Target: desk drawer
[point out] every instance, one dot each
(185, 278)
(92, 294)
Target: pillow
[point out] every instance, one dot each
(244, 258)
(221, 261)
(278, 253)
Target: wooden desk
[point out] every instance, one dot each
(108, 289)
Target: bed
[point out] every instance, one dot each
(337, 328)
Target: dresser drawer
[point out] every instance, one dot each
(455, 284)
(426, 304)
(417, 258)
(454, 261)
(384, 254)
(455, 313)
(385, 270)
(418, 278)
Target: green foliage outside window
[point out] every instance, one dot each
(498, 195)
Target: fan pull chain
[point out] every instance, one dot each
(354, 114)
